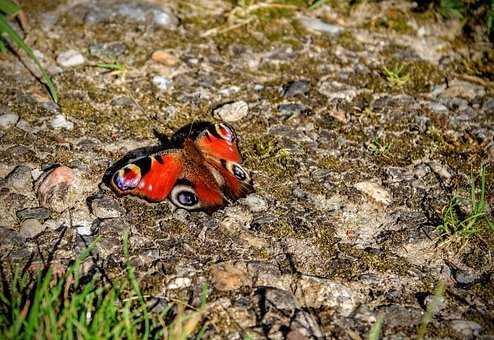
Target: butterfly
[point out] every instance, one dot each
(198, 168)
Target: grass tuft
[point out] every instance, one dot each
(396, 76)
(9, 8)
(69, 306)
(378, 147)
(456, 222)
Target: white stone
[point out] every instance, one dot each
(320, 26)
(70, 58)
(179, 282)
(232, 112)
(376, 191)
(165, 19)
(60, 122)
(8, 120)
(162, 83)
(256, 203)
(84, 231)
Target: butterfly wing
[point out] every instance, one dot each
(216, 140)
(235, 181)
(151, 177)
(201, 172)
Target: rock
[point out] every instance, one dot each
(165, 58)
(179, 282)
(295, 88)
(315, 292)
(38, 213)
(59, 189)
(19, 180)
(232, 112)
(84, 231)
(60, 122)
(7, 120)
(106, 207)
(24, 126)
(108, 50)
(230, 90)
(30, 228)
(70, 58)
(82, 220)
(322, 203)
(228, 276)
(293, 109)
(464, 89)
(164, 18)
(255, 203)
(134, 12)
(438, 107)
(296, 335)
(374, 190)
(163, 84)
(440, 169)
(306, 325)
(317, 25)
(467, 329)
(125, 102)
(463, 277)
(489, 106)
(336, 90)
(278, 298)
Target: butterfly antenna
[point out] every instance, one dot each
(191, 126)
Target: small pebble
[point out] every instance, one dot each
(232, 112)
(70, 58)
(256, 203)
(84, 231)
(8, 120)
(38, 213)
(179, 282)
(20, 180)
(226, 276)
(295, 88)
(60, 122)
(106, 207)
(163, 84)
(31, 228)
(293, 108)
(164, 58)
(165, 19)
(376, 191)
(317, 25)
(108, 50)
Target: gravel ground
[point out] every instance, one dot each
(359, 123)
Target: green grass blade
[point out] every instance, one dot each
(3, 48)
(135, 285)
(9, 7)
(431, 308)
(45, 78)
(376, 328)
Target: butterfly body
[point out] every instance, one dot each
(197, 169)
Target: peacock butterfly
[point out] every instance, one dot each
(198, 168)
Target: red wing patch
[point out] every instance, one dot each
(151, 178)
(218, 147)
